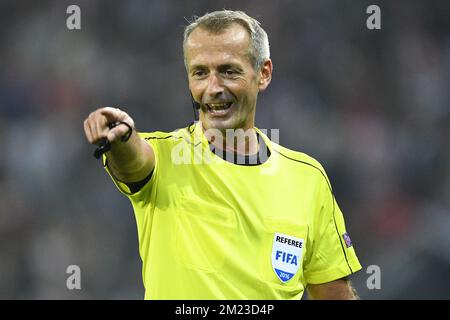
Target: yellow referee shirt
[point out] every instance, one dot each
(212, 229)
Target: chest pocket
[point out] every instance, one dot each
(204, 233)
(291, 234)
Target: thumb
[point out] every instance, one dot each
(118, 132)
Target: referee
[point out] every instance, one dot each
(222, 211)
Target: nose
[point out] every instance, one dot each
(215, 87)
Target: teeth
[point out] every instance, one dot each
(218, 106)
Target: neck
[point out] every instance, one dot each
(241, 141)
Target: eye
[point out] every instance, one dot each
(199, 73)
(230, 73)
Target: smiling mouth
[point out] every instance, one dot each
(218, 109)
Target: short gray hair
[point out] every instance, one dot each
(218, 21)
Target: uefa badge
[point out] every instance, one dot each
(347, 240)
(286, 256)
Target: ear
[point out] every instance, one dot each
(265, 75)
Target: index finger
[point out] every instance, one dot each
(112, 114)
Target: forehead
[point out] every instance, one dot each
(203, 46)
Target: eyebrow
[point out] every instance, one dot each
(230, 65)
(197, 66)
(220, 67)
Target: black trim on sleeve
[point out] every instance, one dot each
(161, 138)
(136, 186)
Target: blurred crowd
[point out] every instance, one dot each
(373, 106)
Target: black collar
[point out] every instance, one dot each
(244, 160)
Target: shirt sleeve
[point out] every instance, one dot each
(150, 184)
(333, 255)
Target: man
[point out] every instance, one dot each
(211, 226)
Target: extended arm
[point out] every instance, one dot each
(130, 161)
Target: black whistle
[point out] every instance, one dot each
(104, 145)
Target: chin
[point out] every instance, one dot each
(218, 125)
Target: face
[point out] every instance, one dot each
(222, 78)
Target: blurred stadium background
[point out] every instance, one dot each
(372, 106)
